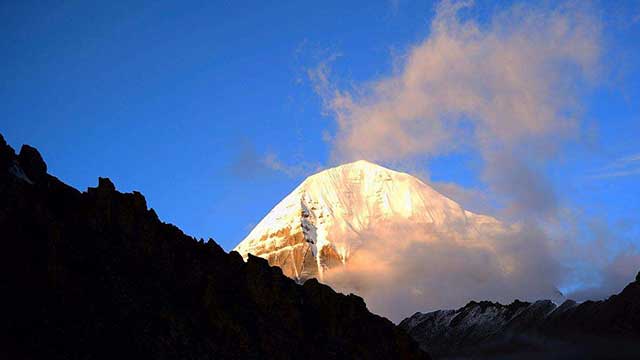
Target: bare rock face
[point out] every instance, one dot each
(608, 329)
(96, 275)
(319, 225)
(32, 163)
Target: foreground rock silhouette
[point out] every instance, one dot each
(96, 275)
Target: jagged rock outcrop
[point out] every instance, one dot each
(96, 275)
(592, 329)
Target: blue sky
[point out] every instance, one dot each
(163, 98)
(184, 101)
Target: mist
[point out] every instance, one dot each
(404, 268)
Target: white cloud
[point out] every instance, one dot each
(512, 86)
(509, 91)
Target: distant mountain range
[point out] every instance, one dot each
(322, 224)
(96, 275)
(608, 329)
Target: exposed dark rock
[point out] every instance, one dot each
(105, 185)
(32, 164)
(608, 329)
(97, 275)
(7, 155)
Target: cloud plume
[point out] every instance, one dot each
(512, 86)
(515, 79)
(508, 91)
(399, 271)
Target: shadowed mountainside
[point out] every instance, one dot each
(608, 329)
(96, 275)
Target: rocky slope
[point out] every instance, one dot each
(96, 275)
(593, 329)
(319, 225)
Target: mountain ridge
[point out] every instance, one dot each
(592, 329)
(97, 275)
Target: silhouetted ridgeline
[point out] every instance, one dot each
(608, 329)
(97, 275)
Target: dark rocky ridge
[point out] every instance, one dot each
(96, 275)
(608, 329)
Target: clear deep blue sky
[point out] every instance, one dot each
(177, 99)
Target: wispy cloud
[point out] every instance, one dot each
(394, 5)
(299, 169)
(472, 199)
(249, 164)
(621, 167)
(618, 173)
(320, 80)
(625, 161)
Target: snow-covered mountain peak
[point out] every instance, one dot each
(320, 224)
(363, 165)
(353, 172)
